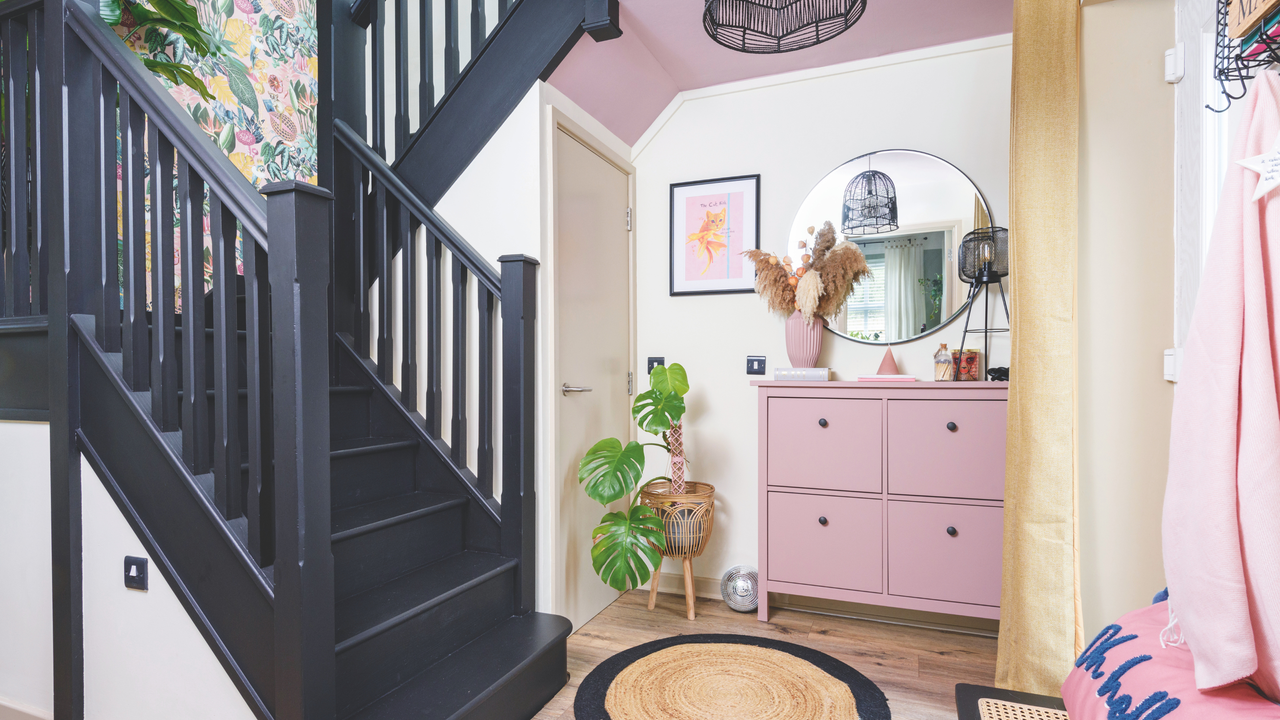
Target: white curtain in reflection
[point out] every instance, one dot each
(904, 304)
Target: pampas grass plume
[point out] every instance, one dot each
(807, 293)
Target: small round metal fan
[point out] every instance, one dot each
(740, 588)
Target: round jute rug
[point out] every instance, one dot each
(717, 677)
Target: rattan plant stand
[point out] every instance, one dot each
(687, 520)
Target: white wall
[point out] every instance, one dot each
(951, 101)
(143, 656)
(496, 204)
(26, 579)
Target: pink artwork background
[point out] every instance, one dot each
(726, 263)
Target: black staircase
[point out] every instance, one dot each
(347, 548)
(528, 42)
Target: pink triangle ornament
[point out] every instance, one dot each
(888, 366)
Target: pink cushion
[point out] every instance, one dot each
(1124, 674)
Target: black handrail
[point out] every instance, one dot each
(214, 167)
(383, 174)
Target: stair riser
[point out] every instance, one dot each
(526, 694)
(361, 479)
(371, 559)
(348, 415)
(377, 666)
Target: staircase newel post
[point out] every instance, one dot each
(299, 233)
(519, 511)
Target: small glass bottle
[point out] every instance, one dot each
(943, 369)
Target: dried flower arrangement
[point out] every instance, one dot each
(819, 285)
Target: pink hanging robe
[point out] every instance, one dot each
(1221, 526)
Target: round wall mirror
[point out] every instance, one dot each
(908, 212)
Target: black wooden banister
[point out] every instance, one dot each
(385, 177)
(192, 143)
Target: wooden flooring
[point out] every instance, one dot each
(916, 668)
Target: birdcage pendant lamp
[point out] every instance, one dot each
(870, 204)
(983, 262)
(778, 26)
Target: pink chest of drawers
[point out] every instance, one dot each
(888, 494)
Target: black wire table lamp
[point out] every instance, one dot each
(984, 261)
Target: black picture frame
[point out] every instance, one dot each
(753, 237)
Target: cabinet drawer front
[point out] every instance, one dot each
(927, 457)
(845, 553)
(925, 561)
(843, 454)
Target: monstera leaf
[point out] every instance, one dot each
(669, 379)
(623, 544)
(656, 411)
(609, 471)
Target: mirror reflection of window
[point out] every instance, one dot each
(914, 288)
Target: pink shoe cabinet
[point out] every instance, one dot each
(887, 494)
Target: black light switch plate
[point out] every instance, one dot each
(655, 362)
(135, 572)
(755, 365)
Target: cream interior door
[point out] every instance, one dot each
(593, 349)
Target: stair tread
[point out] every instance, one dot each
(379, 512)
(472, 672)
(384, 606)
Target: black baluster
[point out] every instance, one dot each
(39, 251)
(377, 54)
(134, 323)
(458, 442)
(477, 27)
(409, 311)
(451, 50)
(227, 487)
(16, 264)
(361, 224)
(434, 394)
(255, 289)
(164, 365)
(427, 80)
(402, 73)
(195, 407)
(484, 391)
(107, 134)
(382, 265)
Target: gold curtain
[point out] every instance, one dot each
(1040, 627)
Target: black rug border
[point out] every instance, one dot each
(589, 702)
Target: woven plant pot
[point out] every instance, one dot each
(686, 519)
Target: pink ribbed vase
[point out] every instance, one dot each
(804, 340)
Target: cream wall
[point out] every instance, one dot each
(1126, 300)
(26, 591)
(144, 659)
(952, 101)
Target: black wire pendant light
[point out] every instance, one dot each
(870, 204)
(778, 26)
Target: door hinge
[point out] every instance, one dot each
(628, 219)
(628, 382)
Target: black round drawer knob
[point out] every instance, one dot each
(822, 520)
(952, 531)
(952, 426)
(822, 422)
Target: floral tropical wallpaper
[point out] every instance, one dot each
(264, 82)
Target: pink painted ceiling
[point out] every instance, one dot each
(625, 83)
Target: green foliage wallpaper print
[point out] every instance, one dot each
(262, 76)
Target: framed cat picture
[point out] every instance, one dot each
(712, 223)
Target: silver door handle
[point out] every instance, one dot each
(566, 389)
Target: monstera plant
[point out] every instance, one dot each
(628, 542)
(175, 20)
